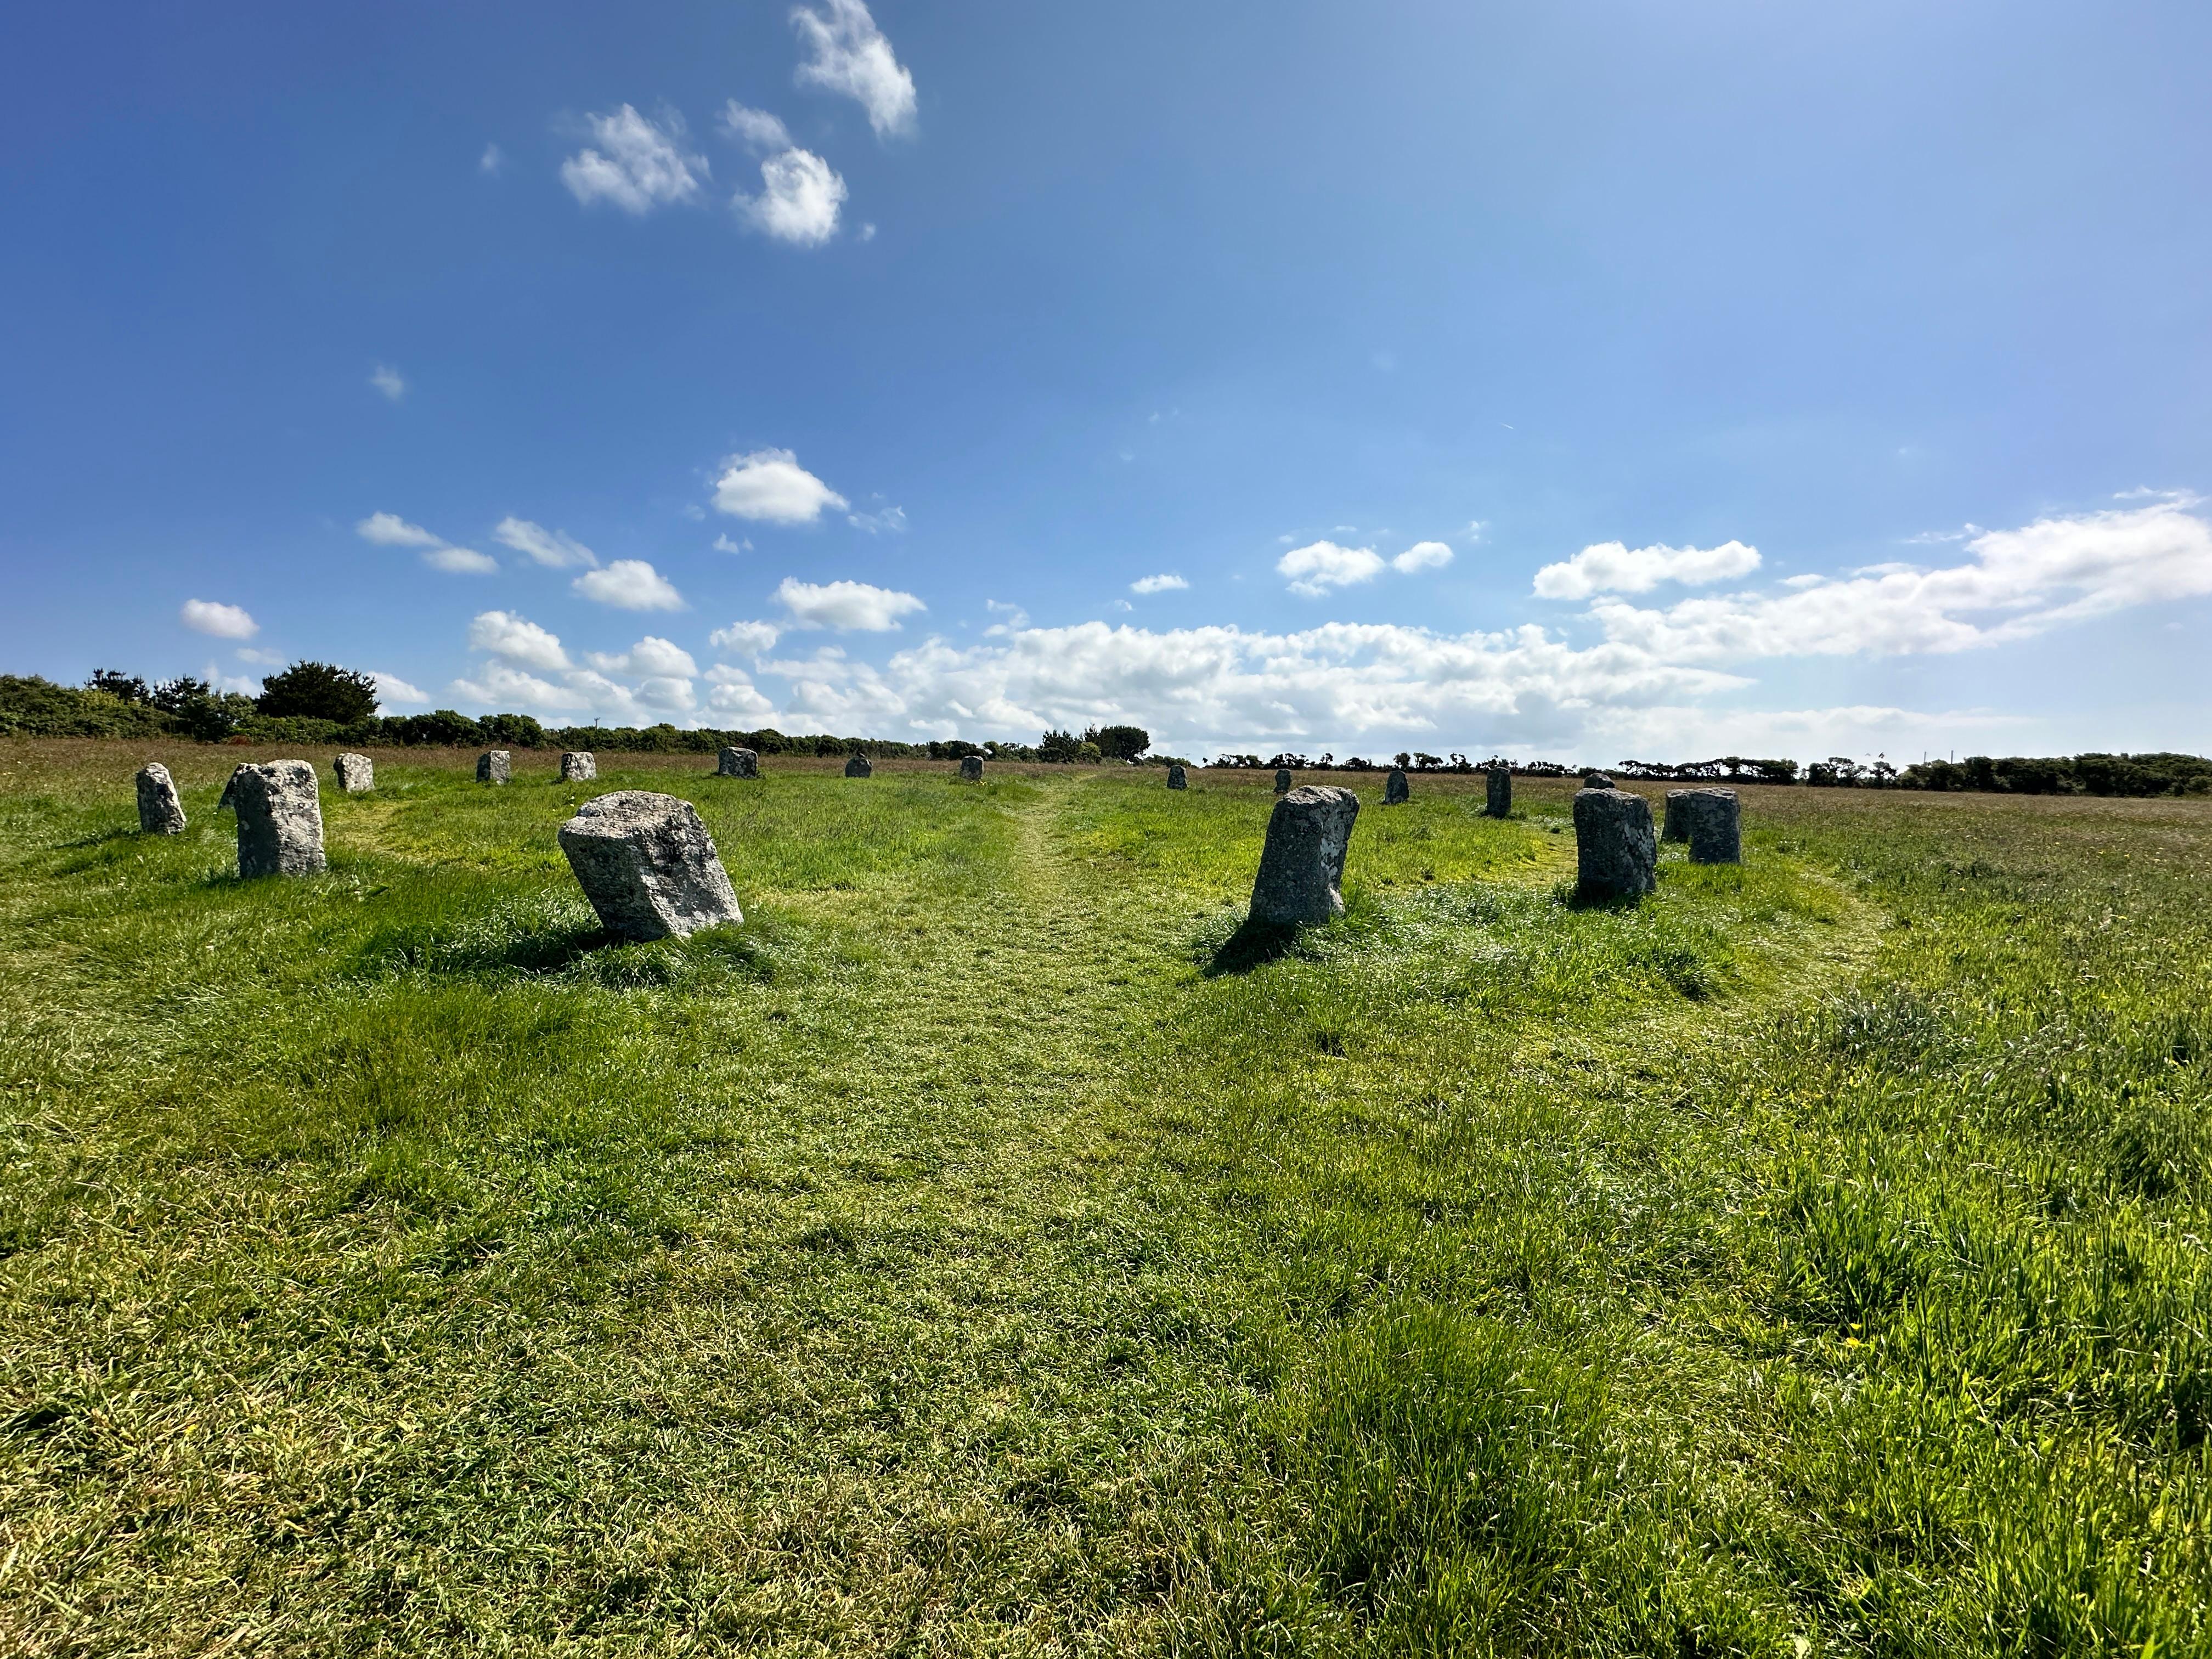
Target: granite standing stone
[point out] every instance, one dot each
(230, 801)
(1670, 827)
(1395, 790)
(159, 811)
(579, 766)
(495, 766)
(648, 865)
(280, 819)
(357, 774)
(738, 763)
(1283, 780)
(1597, 780)
(971, 769)
(858, 767)
(1176, 778)
(1616, 854)
(1497, 803)
(1302, 866)
(1709, 821)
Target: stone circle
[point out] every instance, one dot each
(648, 866)
(160, 811)
(1616, 853)
(1301, 876)
(280, 819)
(357, 774)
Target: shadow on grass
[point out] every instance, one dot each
(98, 838)
(1254, 944)
(1568, 895)
(507, 947)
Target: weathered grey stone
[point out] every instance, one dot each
(357, 774)
(1395, 790)
(648, 865)
(159, 811)
(971, 767)
(1616, 854)
(1283, 781)
(1497, 801)
(280, 819)
(495, 766)
(858, 767)
(1709, 820)
(230, 801)
(1302, 866)
(1670, 827)
(737, 764)
(1596, 780)
(1177, 779)
(579, 766)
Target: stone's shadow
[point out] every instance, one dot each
(1569, 897)
(1254, 944)
(98, 838)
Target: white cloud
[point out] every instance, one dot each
(844, 604)
(756, 128)
(800, 198)
(225, 622)
(492, 163)
(264, 659)
(461, 561)
(1612, 566)
(508, 687)
(630, 585)
(390, 530)
(548, 547)
(867, 232)
(734, 693)
(505, 635)
(1163, 583)
(769, 485)
(747, 638)
(1016, 617)
(638, 166)
(388, 380)
(391, 690)
(892, 518)
(1422, 555)
(1475, 527)
(1319, 566)
(846, 53)
(650, 655)
(723, 544)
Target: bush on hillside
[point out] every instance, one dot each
(1119, 742)
(318, 691)
(33, 707)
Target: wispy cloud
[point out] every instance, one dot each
(388, 380)
(846, 53)
(554, 549)
(634, 164)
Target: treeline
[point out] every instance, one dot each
(2159, 773)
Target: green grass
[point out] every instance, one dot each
(991, 1247)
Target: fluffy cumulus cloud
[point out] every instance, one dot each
(846, 53)
(852, 605)
(770, 487)
(1317, 566)
(528, 671)
(392, 691)
(518, 639)
(225, 622)
(630, 585)
(746, 639)
(551, 548)
(635, 163)
(1422, 555)
(1160, 583)
(1614, 568)
(799, 199)
(650, 655)
(731, 693)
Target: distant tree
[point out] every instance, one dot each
(1063, 747)
(208, 714)
(1119, 742)
(1089, 754)
(318, 691)
(127, 687)
(512, 731)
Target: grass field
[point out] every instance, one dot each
(984, 1250)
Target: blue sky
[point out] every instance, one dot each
(1595, 381)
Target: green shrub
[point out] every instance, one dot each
(33, 707)
(318, 691)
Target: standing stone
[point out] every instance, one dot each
(1302, 866)
(280, 819)
(1616, 854)
(858, 767)
(495, 766)
(578, 766)
(971, 769)
(648, 865)
(1670, 828)
(357, 774)
(1395, 790)
(1283, 780)
(1499, 802)
(230, 801)
(1709, 820)
(1597, 780)
(737, 764)
(1177, 779)
(159, 811)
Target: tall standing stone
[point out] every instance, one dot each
(159, 811)
(1302, 866)
(1395, 790)
(280, 819)
(357, 774)
(737, 764)
(579, 766)
(1498, 800)
(1709, 821)
(1283, 781)
(495, 766)
(971, 769)
(1177, 779)
(858, 767)
(1616, 851)
(648, 865)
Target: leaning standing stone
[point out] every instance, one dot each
(230, 801)
(1302, 866)
(1708, 819)
(159, 811)
(1177, 779)
(357, 774)
(1616, 854)
(1499, 802)
(1395, 789)
(578, 766)
(495, 766)
(280, 819)
(648, 865)
(971, 769)
(1283, 780)
(737, 764)
(858, 767)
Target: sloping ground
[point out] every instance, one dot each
(986, 1250)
